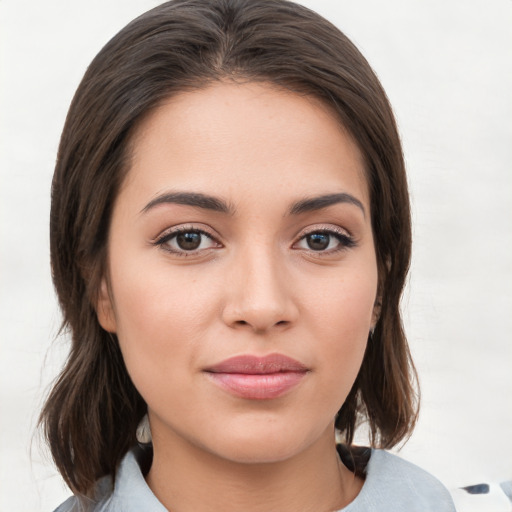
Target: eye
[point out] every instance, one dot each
(325, 241)
(186, 240)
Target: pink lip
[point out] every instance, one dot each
(258, 378)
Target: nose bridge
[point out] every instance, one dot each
(260, 294)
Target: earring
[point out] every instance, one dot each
(143, 434)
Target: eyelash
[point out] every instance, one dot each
(345, 240)
(166, 237)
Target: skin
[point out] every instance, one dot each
(253, 286)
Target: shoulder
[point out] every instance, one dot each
(393, 484)
(102, 494)
(70, 505)
(129, 494)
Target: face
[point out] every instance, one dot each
(242, 275)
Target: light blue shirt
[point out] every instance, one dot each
(391, 485)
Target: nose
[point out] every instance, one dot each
(259, 296)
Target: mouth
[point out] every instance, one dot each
(258, 378)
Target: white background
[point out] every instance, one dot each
(447, 68)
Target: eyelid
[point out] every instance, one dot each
(325, 228)
(179, 228)
(345, 238)
(168, 234)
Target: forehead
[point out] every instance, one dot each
(231, 136)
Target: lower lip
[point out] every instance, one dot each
(257, 387)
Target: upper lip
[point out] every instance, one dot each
(257, 365)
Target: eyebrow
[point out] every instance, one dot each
(320, 202)
(207, 202)
(195, 199)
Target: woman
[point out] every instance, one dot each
(230, 235)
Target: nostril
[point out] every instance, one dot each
(243, 323)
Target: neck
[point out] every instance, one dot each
(186, 478)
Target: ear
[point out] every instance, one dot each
(377, 308)
(377, 305)
(105, 309)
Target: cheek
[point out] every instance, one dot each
(342, 315)
(155, 299)
(345, 305)
(161, 319)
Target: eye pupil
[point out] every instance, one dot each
(318, 241)
(188, 241)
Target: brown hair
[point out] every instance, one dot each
(91, 415)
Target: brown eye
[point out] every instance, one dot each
(183, 242)
(318, 241)
(325, 241)
(189, 241)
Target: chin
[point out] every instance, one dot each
(264, 445)
(259, 452)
